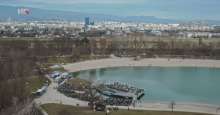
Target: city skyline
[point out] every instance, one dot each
(172, 9)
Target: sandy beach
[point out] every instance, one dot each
(154, 62)
(130, 62)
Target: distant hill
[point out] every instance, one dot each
(41, 14)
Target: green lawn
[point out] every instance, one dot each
(34, 83)
(57, 69)
(58, 109)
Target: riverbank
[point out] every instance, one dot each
(130, 62)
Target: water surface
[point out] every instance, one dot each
(190, 85)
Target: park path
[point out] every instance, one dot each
(54, 96)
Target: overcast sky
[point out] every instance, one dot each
(175, 9)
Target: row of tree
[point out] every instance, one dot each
(101, 46)
(15, 69)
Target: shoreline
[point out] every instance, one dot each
(153, 62)
(147, 62)
(179, 106)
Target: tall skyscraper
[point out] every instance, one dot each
(87, 21)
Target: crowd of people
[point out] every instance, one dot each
(118, 101)
(70, 91)
(119, 86)
(65, 88)
(125, 88)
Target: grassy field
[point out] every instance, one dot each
(57, 109)
(34, 83)
(57, 69)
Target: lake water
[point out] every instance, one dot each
(190, 85)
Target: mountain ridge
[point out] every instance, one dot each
(43, 14)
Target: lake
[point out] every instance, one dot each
(163, 84)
